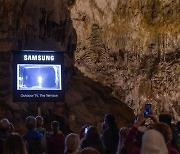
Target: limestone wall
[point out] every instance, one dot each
(132, 46)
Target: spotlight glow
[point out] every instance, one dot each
(40, 80)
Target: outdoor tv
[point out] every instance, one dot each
(38, 76)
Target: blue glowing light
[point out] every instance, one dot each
(39, 77)
(40, 80)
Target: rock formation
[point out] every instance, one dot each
(133, 46)
(47, 25)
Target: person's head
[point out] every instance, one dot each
(4, 125)
(153, 143)
(72, 143)
(92, 132)
(90, 150)
(31, 123)
(14, 145)
(40, 121)
(166, 118)
(165, 130)
(55, 126)
(109, 119)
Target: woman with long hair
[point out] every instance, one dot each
(72, 143)
(92, 139)
(110, 135)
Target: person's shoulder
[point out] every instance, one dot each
(35, 133)
(172, 149)
(40, 129)
(61, 136)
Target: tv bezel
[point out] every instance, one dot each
(50, 95)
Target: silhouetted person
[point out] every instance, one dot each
(14, 145)
(34, 140)
(166, 118)
(166, 131)
(4, 132)
(4, 128)
(72, 143)
(92, 139)
(110, 135)
(55, 143)
(39, 126)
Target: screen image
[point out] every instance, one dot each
(39, 77)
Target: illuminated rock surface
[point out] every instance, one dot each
(133, 46)
(46, 25)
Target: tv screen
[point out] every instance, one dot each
(38, 76)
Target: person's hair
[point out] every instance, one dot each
(122, 134)
(14, 145)
(72, 143)
(93, 139)
(165, 130)
(4, 125)
(55, 126)
(40, 121)
(109, 119)
(111, 124)
(153, 142)
(31, 122)
(90, 150)
(92, 133)
(166, 118)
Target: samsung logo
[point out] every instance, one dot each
(38, 57)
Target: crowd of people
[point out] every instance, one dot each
(156, 137)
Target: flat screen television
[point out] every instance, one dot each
(38, 76)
